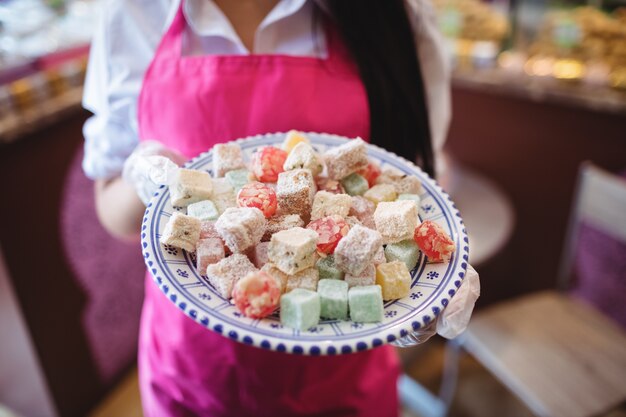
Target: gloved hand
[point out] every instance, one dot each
(149, 166)
(454, 319)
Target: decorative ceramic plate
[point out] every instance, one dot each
(432, 286)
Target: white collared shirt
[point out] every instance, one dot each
(129, 31)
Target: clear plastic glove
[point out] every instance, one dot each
(149, 166)
(454, 319)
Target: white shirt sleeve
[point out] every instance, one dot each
(435, 67)
(124, 42)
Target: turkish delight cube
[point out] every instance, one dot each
(300, 309)
(394, 279)
(306, 279)
(277, 223)
(327, 268)
(181, 231)
(258, 254)
(227, 157)
(381, 192)
(366, 304)
(363, 209)
(203, 210)
(333, 299)
(327, 204)
(345, 159)
(379, 258)
(190, 186)
(238, 178)
(293, 250)
(224, 196)
(295, 191)
(303, 156)
(280, 277)
(208, 251)
(225, 274)
(396, 220)
(241, 228)
(403, 183)
(355, 184)
(207, 230)
(292, 139)
(357, 249)
(405, 251)
(367, 277)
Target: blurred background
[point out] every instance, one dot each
(539, 87)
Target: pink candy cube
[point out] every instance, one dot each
(258, 254)
(209, 251)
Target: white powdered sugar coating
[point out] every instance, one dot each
(225, 274)
(241, 228)
(346, 159)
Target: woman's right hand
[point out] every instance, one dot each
(121, 201)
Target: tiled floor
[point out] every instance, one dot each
(478, 394)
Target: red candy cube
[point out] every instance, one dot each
(434, 242)
(257, 294)
(258, 195)
(331, 230)
(332, 186)
(267, 163)
(370, 173)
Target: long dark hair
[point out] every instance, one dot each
(379, 36)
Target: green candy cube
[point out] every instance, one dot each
(354, 184)
(405, 251)
(203, 210)
(411, 197)
(327, 268)
(333, 298)
(238, 178)
(300, 309)
(366, 304)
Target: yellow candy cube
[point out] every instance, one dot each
(293, 138)
(394, 279)
(381, 192)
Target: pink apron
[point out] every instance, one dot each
(190, 104)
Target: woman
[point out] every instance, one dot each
(200, 72)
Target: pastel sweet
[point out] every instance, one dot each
(300, 309)
(367, 277)
(327, 268)
(238, 178)
(293, 250)
(306, 279)
(379, 258)
(327, 204)
(267, 163)
(353, 221)
(357, 249)
(355, 184)
(366, 304)
(403, 183)
(414, 198)
(394, 279)
(381, 192)
(405, 251)
(333, 299)
(226, 157)
(241, 228)
(208, 251)
(396, 220)
(207, 230)
(345, 159)
(434, 242)
(203, 210)
(363, 209)
(256, 295)
(224, 196)
(277, 223)
(224, 274)
(280, 277)
(371, 172)
(326, 184)
(303, 156)
(181, 231)
(293, 138)
(256, 194)
(258, 254)
(190, 186)
(295, 191)
(330, 230)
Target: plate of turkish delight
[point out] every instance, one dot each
(305, 243)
